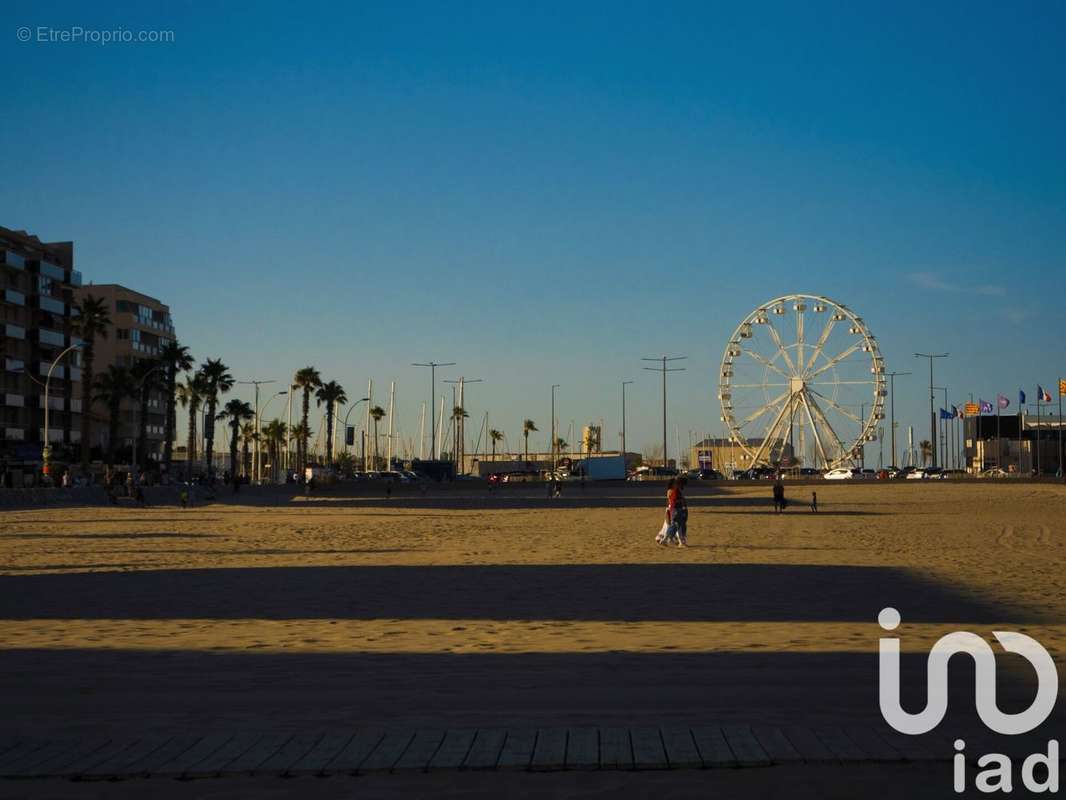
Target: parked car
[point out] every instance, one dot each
(994, 472)
(867, 474)
(809, 472)
(839, 474)
(709, 475)
(916, 474)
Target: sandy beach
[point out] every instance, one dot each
(464, 608)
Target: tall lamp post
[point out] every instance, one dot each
(46, 451)
(348, 414)
(932, 398)
(554, 387)
(256, 384)
(624, 385)
(432, 396)
(137, 417)
(664, 369)
(892, 410)
(460, 423)
(259, 430)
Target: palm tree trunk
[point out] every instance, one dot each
(306, 430)
(142, 429)
(172, 417)
(190, 445)
(233, 453)
(112, 431)
(329, 435)
(209, 435)
(86, 404)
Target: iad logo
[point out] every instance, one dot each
(997, 778)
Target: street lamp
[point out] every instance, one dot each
(347, 414)
(554, 387)
(258, 429)
(664, 369)
(624, 385)
(432, 398)
(137, 417)
(46, 451)
(257, 384)
(892, 410)
(932, 398)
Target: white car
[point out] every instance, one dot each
(917, 475)
(839, 474)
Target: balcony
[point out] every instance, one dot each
(15, 298)
(54, 403)
(12, 259)
(14, 331)
(52, 305)
(14, 364)
(53, 271)
(54, 338)
(54, 434)
(58, 372)
(14, 434)
(14, 400)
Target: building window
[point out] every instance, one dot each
(122, 334)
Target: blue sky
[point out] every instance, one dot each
(547, 194)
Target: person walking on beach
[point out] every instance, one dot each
(668, 532)
(779, 495)
(681, 513)
(814, 502)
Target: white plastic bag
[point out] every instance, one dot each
(664, 533)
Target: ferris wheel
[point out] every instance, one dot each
(802, 375)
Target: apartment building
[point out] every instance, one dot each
(37, 287)
(140, 327)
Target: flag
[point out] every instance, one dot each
(986, 407)
(1002, 402)
(945, 414)
(957, 412)
(1043, 395)
(1021, 398)
(1062, 387)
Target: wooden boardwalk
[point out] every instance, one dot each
(538, 749)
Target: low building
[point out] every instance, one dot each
(37, 290)
(140, 327)
(726, 456)
(1015, 443)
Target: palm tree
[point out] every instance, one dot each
(217, 381)
(147, 376)
(926, 448)
(177, 359)
(92, 321)
(494, 436)
(458, 415)
(111, 388)
(191, 396)
(274, 432)
(237, 412)
(561, 444)
(528, 427)
(376, 413)
(299, 433)
(308, 380)
(249, 435)
(330, 395)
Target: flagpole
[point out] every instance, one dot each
(1021, 427)
(1039, 397)
(1062, 473)
(999, 444)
